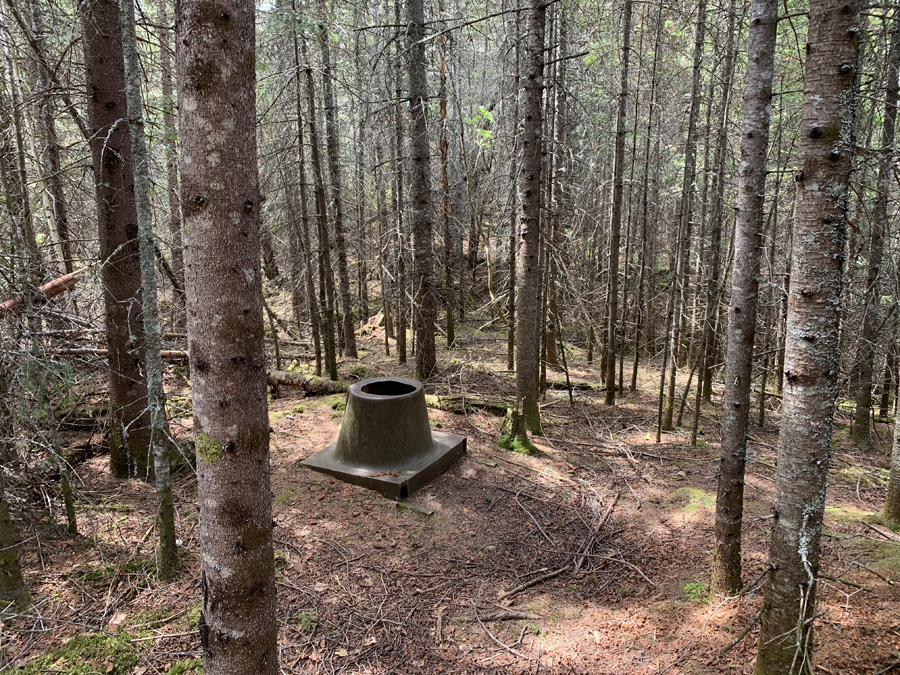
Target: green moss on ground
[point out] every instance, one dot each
(187, 667)
(86, 655)
(693, 498)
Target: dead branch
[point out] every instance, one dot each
(42, 294)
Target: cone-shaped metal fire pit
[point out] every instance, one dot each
(385, 443)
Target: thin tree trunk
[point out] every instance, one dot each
(156, 398)
(13, 593)
(449, 290)
(812, 360)
(216, 71)
(615, 225)
(726, 566)
(420, 191)
(129, 434)
(332, 136)
(312, 305)
(685, 216)
(326, 278)
(49, 152)
(169, 139)
(872, 307)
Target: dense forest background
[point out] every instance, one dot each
(524, 205)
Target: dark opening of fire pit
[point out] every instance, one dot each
(387, 388)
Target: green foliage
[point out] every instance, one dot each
(307, 621)
(696, 591)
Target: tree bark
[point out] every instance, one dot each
(332, 135)
(726, 567)
(811, 354)
(685, 216)
(615, 226)
(167, 559)
(49, 152)
(119, 256)
(220, 187)
(13, 593)
(872, 307)
(420, 190)
(528, 314)
(169, 139)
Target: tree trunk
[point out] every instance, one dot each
(326, 295)
(685, 216)
(167, 561)
(615, 226)
(726, 567)
(332, 136)
(811, 359)
(216, 71)
(528, 315)
(303, 230)
(449, 290)
(420, 192)
(49, 152)
(169, 136)
(119, 256)
(13, 593)
(872, 307)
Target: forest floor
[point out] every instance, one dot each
(613, 531)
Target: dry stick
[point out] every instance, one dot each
(890, 537)
(491, 635)
(533, 519)
(529, 584)
(888, 667)
(596, 531)
(502, 616)
(731, 645)
(877, 574)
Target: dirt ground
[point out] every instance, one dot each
(589, 557)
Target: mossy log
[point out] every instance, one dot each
(462, 404)
(574, 386)
(312, 385)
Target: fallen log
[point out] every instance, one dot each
(312, 385)
(463, 404)
(42, 294)
(168, 354)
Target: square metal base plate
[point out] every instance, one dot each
(394, 485)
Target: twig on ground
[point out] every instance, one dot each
(533, 582)
(731, 645)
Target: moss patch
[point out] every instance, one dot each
(209, 450)
(846, 514)
(888, 557)
(187, 667)
(863, 476)
(85, 655)
(692, 498)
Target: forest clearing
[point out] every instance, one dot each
(612, 530)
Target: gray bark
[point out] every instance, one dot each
(156, 397)
(420, 189)
(811, 351)
(615, 226)
(726, 568)
(216, 59)
(528, 314)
